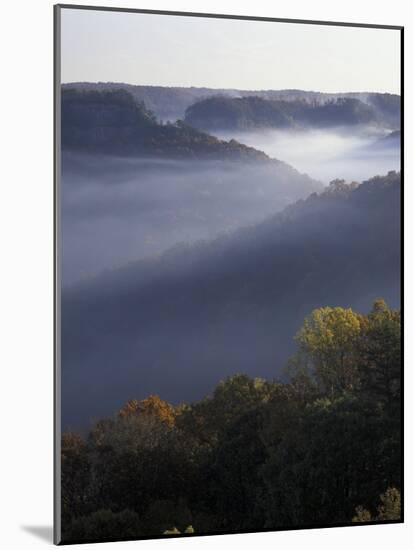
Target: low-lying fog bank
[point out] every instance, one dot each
(177, 324)
(350, 154)
(116, 210)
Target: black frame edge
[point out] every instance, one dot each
(225, 16)
(402, 274)
(57, 538)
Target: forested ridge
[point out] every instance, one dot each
(246, 113)
(321, 448)
(171, 102)
(113, 122)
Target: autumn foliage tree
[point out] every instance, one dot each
(153, 406)
(327, 350)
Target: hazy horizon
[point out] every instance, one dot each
(180, 51)
(144, 85)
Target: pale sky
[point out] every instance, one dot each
(102, 46)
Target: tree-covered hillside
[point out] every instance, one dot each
(321, 448)
(113, 122)
(246, 113)
(178, 323)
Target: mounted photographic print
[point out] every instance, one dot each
(228, 274)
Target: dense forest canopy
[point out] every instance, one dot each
(321, 448)
(181, 321)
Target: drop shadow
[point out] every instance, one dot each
(43, 532)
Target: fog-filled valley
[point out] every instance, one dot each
(115, 210)
(177, 324)
(327, 154)
(192, 249)
(343, 137)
